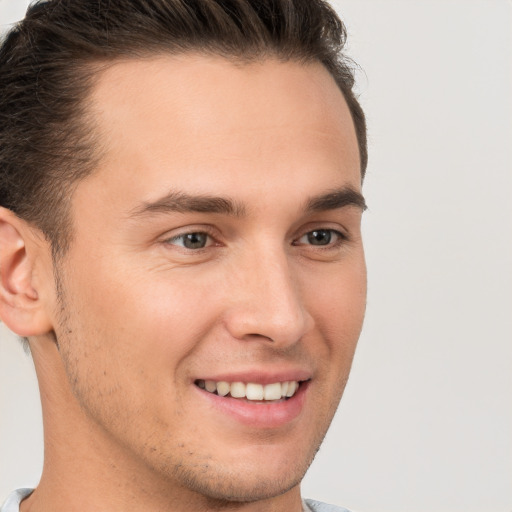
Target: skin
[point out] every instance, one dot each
(139, 317)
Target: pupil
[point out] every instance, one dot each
(195, 240)
(320, 237)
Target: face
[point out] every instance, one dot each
(214, 291)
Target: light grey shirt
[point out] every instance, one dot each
(12, 503)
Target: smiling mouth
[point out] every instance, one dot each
(251, 391)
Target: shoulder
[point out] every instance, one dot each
(12, 503)
(317, 506)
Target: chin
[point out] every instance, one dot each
(262, 471)
(237, 487)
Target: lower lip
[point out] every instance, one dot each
(257, 414)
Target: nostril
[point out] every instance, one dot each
(255, 335)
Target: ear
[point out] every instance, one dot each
(21, 308)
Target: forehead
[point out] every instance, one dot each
(195, 116)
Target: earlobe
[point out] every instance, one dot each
(20, 305)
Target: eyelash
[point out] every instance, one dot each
(183, 235)
(340, 239)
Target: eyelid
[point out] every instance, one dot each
(187, 230)
(183, 235)
(337, 228)
(341, 237)
(212, 233)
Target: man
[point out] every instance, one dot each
(180, 245)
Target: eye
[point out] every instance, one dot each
(191, 240)
(321, 237)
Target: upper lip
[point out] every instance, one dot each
(259, 376)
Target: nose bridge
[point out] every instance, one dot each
(268, 299)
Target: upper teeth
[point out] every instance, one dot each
(251, 390)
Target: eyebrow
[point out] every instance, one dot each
(181, 202)
(340, 198)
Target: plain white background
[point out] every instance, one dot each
(426, 421)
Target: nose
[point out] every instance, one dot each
(266, 302)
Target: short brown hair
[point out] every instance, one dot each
(49, 60)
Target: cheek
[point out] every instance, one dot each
(338, 297)
(125, 340)
(147, 318)
(338, 308)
